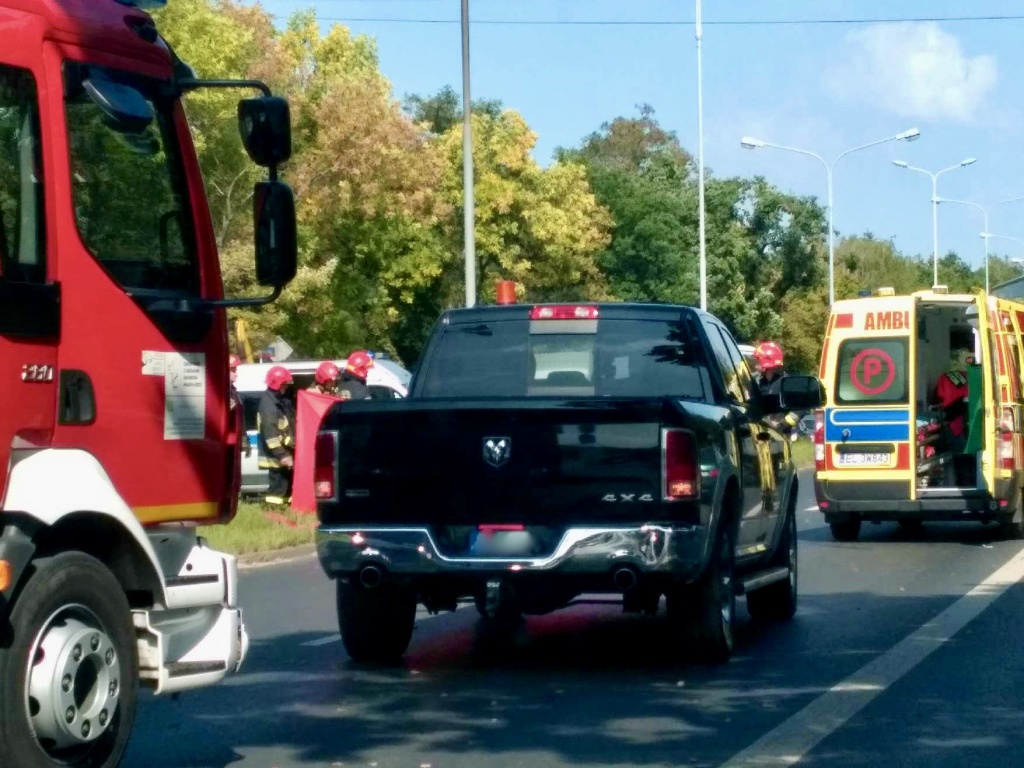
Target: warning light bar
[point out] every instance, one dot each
(564, 312)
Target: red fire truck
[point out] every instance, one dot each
(116, 435)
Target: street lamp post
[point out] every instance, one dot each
(701, 215)
(984, 235)
(468, 204)
(748, 142)
(935, 204)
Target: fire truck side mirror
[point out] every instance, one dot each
(276, 237)
(265, 125)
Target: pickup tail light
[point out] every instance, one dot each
(564, 312)
(819, 440)
(681, 465)
(325, 465)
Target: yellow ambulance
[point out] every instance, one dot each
(886, 446)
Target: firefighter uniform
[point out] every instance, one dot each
(276, 423)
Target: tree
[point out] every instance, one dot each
(444, 109)
(541, 228)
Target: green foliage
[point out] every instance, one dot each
(380, 205)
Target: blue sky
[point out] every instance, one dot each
(824, 88)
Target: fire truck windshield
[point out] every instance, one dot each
(130, 194)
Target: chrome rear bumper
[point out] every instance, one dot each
(344, 551)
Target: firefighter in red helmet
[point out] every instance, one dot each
(770, 372)
(325, 380)
(353, 380)
(276, 421)
(236, 407)
(769, 359)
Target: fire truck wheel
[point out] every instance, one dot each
(376, 623)
(71, 629)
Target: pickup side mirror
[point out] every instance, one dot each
(801, 393)
(266, 128)
(276, 236)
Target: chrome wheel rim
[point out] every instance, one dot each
(73, 681)
(728, 600)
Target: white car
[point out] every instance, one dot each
(387, 380)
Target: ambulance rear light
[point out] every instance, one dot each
(325, 465)
(564, 312)
(819, 441)
(1006, 435)
(886, 291)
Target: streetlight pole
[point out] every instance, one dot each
(701, 215)
(748, 142)
(935, 204)
(984, 235)
(468, 204)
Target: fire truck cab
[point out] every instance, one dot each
(116, 436)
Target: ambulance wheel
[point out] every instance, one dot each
(376, 624)
(68, 668)
(846, 531)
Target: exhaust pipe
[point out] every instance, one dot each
(370, 577)
(624, 578)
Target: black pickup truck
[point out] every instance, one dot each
(554, 450)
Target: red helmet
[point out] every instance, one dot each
(277, 377)
(768, 355)
(359, 363)
(326, 372)
(233, 362)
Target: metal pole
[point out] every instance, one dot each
(701, 234)
(985, 213)
(935, 229)
(468, 207)
(831, 245)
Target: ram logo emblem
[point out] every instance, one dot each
(497, 450)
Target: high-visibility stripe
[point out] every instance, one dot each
(273, 442)
(162, 513)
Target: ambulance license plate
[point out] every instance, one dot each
(863, 459)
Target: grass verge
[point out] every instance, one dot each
(803, 453)
(255, 531)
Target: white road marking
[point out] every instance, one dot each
(322, 641)
(792, 740)
(812, 508)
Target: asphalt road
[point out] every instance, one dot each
(905, 651)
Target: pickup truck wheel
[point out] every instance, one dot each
(777, 602)
(376, 624)
(847, 531)
(1012, 528)
(69, 671)
(702, 614)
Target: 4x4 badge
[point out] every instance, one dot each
(497, 450)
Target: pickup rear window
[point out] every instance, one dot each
(609, 358)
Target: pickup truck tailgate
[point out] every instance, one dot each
(535, 462)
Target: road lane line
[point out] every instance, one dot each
(322, 641)
(788, 743)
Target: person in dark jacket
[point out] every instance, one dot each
(352, 385)
(276, 423)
